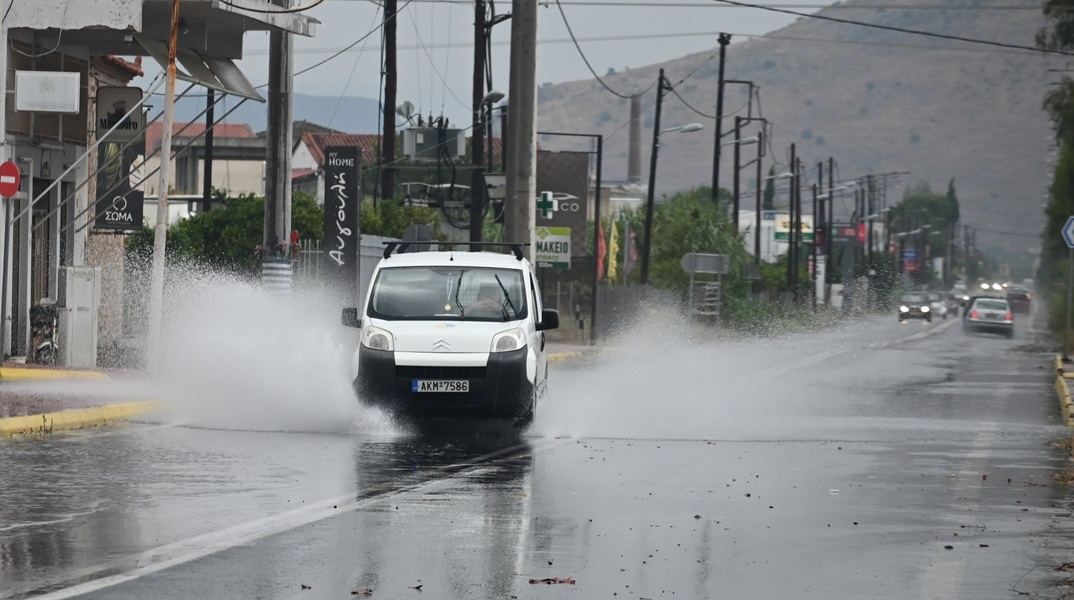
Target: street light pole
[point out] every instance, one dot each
(790, 233)
(652, 178)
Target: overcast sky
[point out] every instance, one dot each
(435, 44)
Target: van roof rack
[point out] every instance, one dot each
(516, 248)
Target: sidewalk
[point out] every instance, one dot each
(30, 402)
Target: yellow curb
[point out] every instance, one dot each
(562, 356)
(1065, 402)
(21, 373)
(76, 418)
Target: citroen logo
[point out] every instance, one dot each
(442, 344)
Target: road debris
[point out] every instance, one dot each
(364, 592)
(552, 580)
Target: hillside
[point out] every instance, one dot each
(877, 101)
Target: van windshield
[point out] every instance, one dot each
(457, 293)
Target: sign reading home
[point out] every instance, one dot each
(113, 104)
(342, 166)
(553, 248)
(123, 212)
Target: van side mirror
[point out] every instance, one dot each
(549, 320)
(349, 317)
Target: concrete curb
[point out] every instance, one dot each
(76, 418)
(1062, 389)
(562, 356)
(27, 373)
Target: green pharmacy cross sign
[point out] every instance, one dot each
(546, 205)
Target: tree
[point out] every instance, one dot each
(226, 237)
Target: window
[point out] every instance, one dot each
(457, 293)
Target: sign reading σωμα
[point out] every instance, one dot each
(553, 247)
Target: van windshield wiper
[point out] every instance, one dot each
(507, 299)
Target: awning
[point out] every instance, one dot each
(216, 73)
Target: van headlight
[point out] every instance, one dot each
(904, 308)
(376, 338)
(924, 309)
(509, 340)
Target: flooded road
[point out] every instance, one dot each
(875, 459)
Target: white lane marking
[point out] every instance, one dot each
(917, 336)
(191, 549)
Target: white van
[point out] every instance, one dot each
(452, 334)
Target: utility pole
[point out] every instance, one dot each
(723, 40)
(520, 213)
(160, 230)
(757, 206)
(734, 178)
(207, 179)
(477, 145)
(278, 153)
(829, 263)
(387, 135)
(652, 181)
(790, 233)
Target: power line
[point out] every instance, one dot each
(942, 36)
(281, 10)
(589, 66)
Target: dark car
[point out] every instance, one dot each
(988, 314)
(915, 305)
(1020, 299)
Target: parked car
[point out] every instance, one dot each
(987, 313)
(915, 305)
(451, 334)
(937, 304)
(1020, 299)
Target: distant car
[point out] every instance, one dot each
(1020, 299)
(915, 305)
(953, 303)
(986, 313)
(937, 304)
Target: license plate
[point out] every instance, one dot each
(440, 385)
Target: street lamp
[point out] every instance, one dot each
(652, 181)
(477, 199)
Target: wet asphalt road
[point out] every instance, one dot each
(876, 459)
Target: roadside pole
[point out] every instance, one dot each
(1070, 292)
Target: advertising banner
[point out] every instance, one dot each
(112, 104)
(553, 249)
(120, 211)
(342, 174)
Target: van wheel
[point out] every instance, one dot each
(526, 419)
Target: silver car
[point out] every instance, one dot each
(988, 314)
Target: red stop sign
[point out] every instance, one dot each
(9, 179)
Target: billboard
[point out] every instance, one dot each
(342, 172)
(566, 175)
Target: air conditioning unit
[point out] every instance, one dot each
(430, 144)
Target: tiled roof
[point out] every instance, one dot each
(299, 173)
(154, 130)
(133, 67)
(317, 142)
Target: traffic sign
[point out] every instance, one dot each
(716, 264)
(9, 179)
(1068, 231)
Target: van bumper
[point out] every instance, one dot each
(499, 390)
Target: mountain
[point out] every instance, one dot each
(351, 115)
(877, 100)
